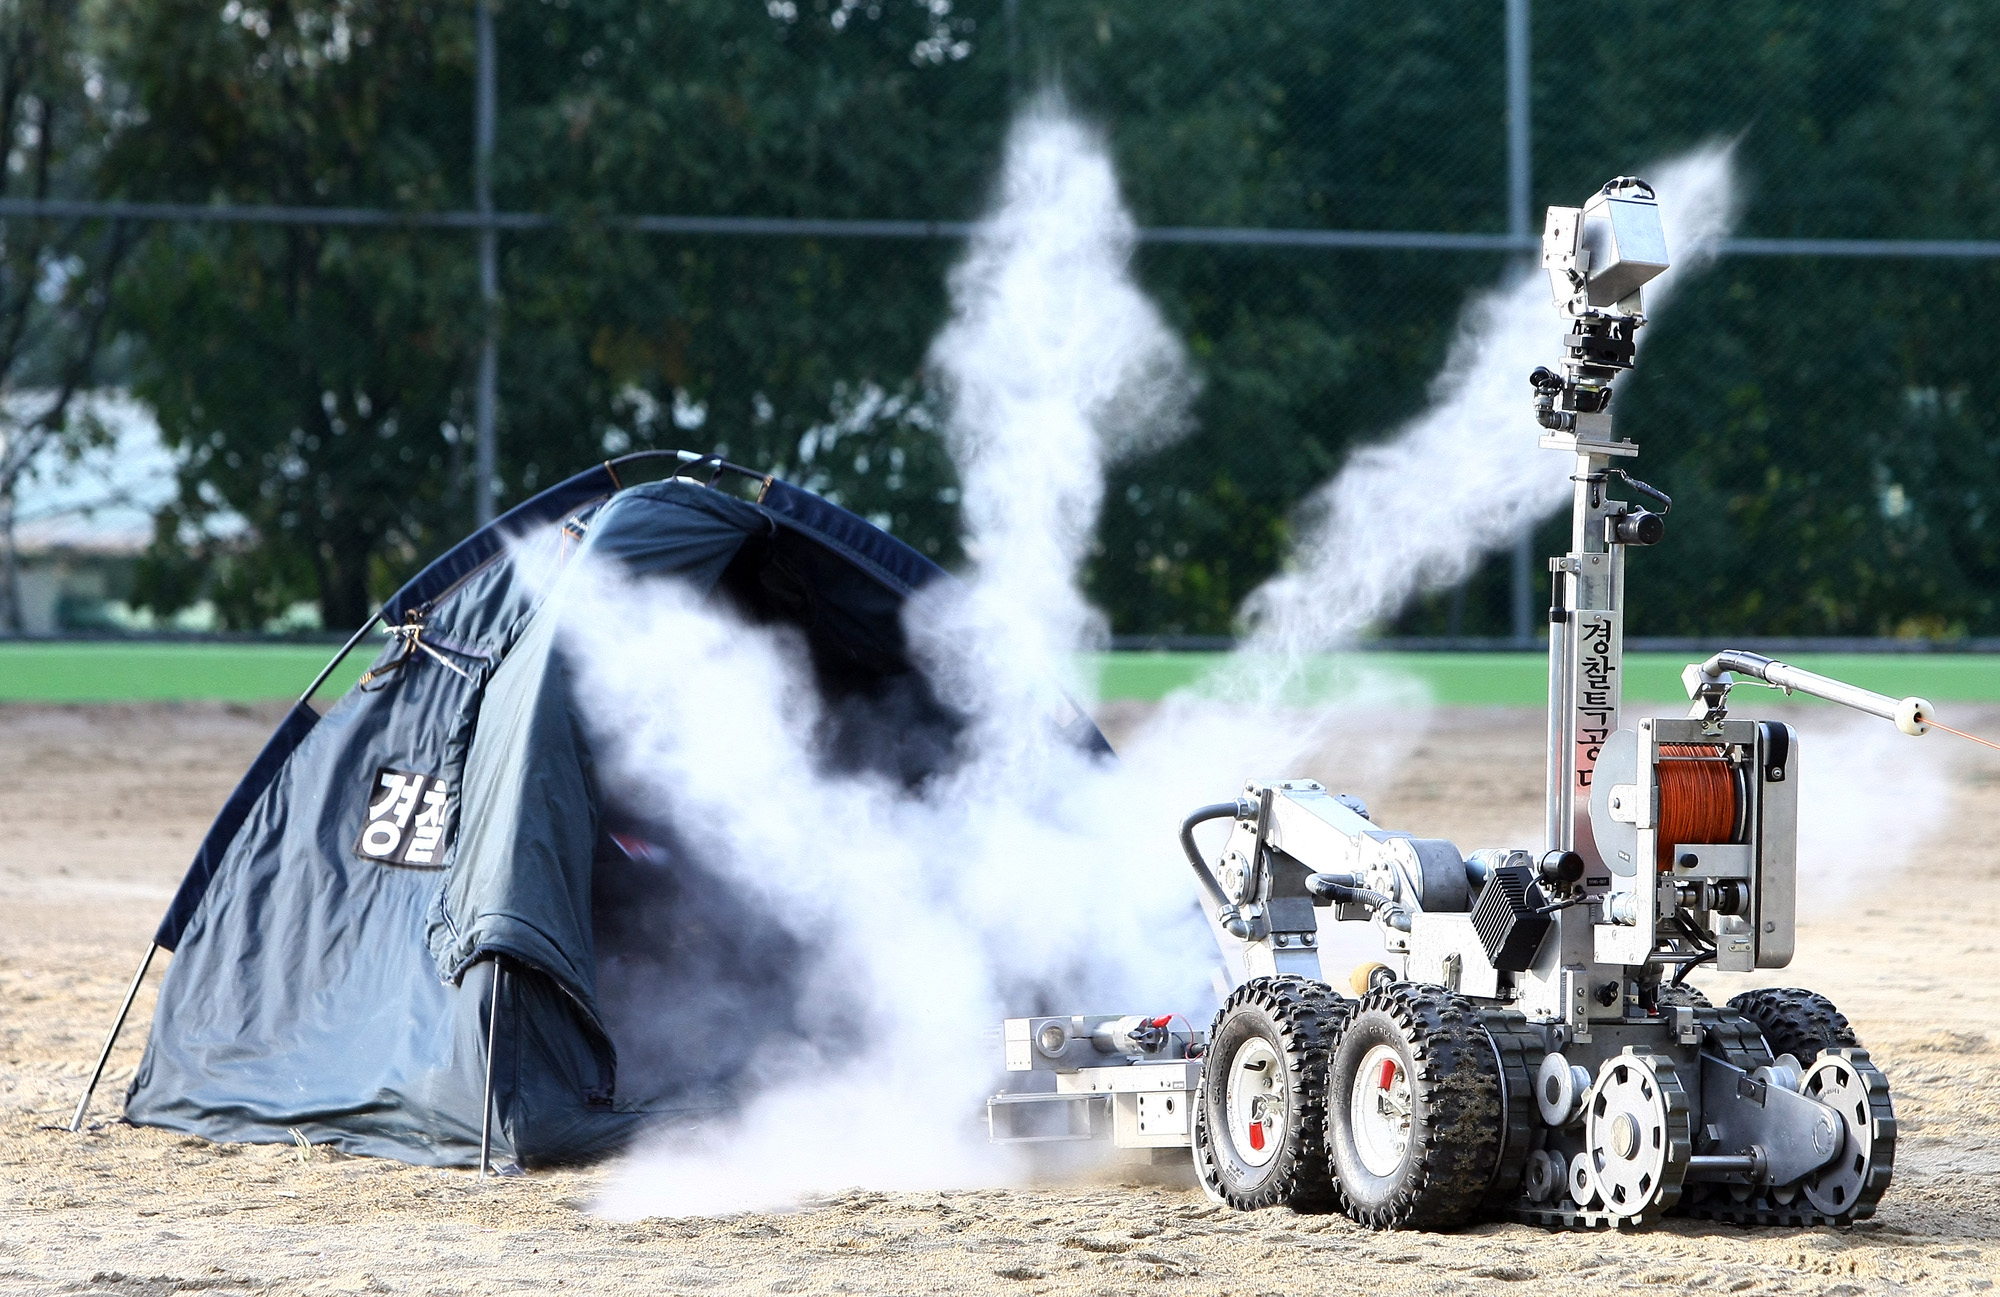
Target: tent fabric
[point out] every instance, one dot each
(339, 934)
(521, 885)
(285, 740)
(458, 564)
(886, 558)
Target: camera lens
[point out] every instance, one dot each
(1641, 528)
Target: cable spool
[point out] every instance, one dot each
(1699, 799)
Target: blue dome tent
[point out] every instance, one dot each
(418, 927)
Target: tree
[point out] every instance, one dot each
(312, 377)
(800, 356)
(54, 274)
(1287, 116)
(781, 348)
(315, 379)
(1826, 426)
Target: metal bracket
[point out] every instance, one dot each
(1088, 1104)
(1797, 1135)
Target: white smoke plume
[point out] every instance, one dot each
(1419, 510)
(1414, 512)
(919, 912)
(1030, 877)
(1054, 364)
(1031, 871)
(1869, 797)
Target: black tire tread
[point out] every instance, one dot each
(1309, 1016)
(1796, 1022)
(1521, 1047)
(1456, 1079)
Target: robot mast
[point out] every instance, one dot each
(1599, 257)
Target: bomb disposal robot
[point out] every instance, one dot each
(1526, 1047)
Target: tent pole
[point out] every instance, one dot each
(341, 656)
(131, 994)
(492, 1047)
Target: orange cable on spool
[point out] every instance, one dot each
(1697, 797)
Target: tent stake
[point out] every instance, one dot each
(492, 1043)
(131, 994)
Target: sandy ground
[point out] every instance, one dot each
(100, 809)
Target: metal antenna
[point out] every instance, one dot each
(131, 994)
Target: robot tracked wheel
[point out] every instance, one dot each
(1848, 1187)
(1637, 1139)
(1845, 1080)
(1260, 1116)
(1414, 1109)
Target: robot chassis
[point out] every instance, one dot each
(1527, 1048)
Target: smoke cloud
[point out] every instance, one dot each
(1869, 797)
(1030, 876)
(916, 914)
(1415, 512)
(1420, 510)
(1054, 364)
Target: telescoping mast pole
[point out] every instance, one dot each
(1598, 257)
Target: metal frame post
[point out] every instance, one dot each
(486, 457)
(97, 1073)
(1520, 158)
(1520, 175)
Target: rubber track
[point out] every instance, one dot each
(1459, 1077)
(1796, 1022)
(1680, 1141)
(1741, 1041)
(1521, 1047)
(1734, 1037)
(1882, 1117)
(1309, 1015)
(1737, 1040)
(1564, 1212)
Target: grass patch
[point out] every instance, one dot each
(1522, 679)
(100, 672)
(110, 672)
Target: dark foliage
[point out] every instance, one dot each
(1825, 425)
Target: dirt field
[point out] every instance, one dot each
(100, 809)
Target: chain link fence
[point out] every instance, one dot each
(1826, 421)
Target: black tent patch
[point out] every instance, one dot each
(405, 820)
